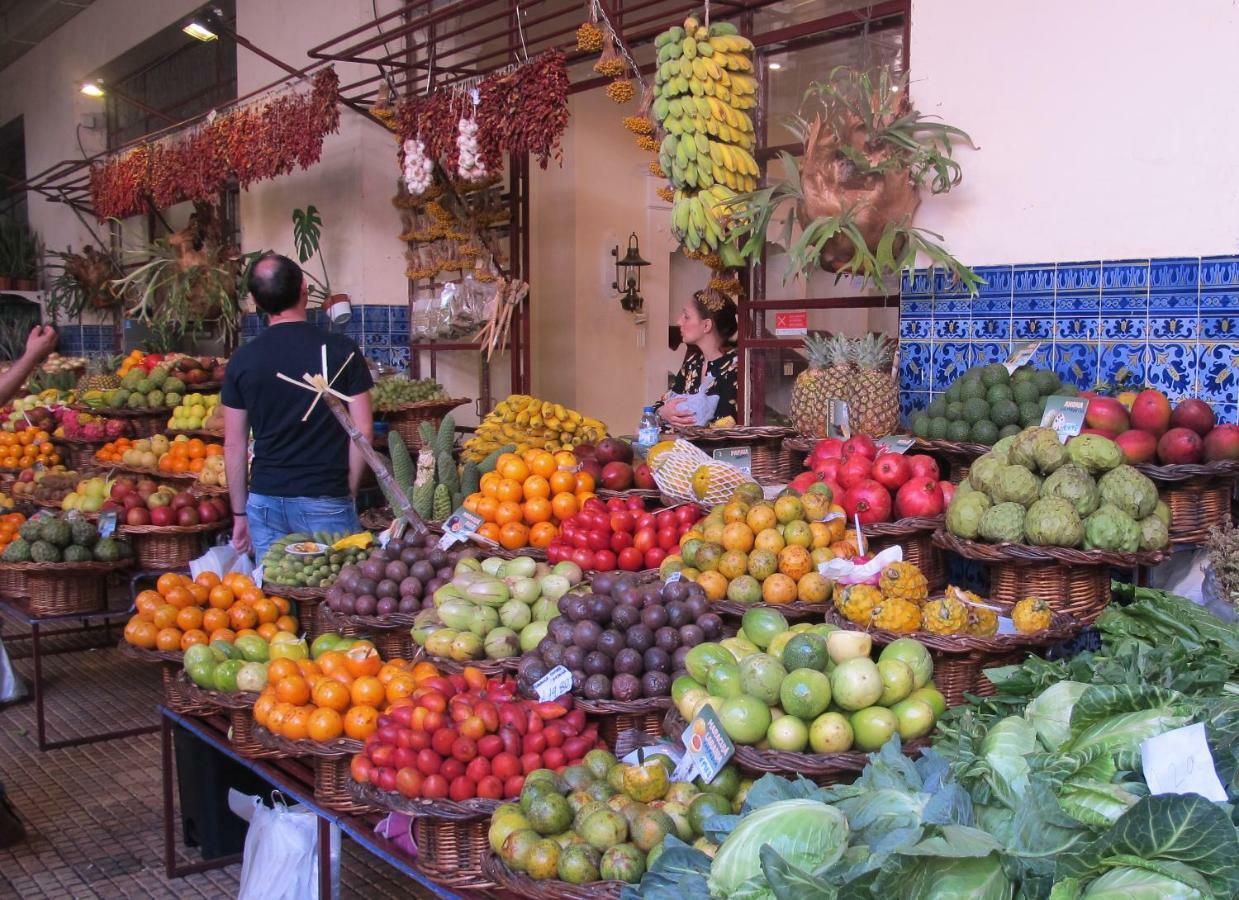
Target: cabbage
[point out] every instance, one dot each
(949, 879)
(1126, 883)
(1006, 749)
(805, 833)
(1050, 712)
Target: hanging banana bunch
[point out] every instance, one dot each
(703, 89)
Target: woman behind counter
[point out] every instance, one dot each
(708, 326)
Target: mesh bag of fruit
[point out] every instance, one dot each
(688, 474)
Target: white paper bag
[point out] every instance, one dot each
(221, 560)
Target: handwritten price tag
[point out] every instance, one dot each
(1065, 415)
(554, 683)
(895, 443)
(1179, 762)
(706, 744)
(1022, 355)
(740, 457)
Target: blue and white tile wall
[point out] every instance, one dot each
(86, 340)
(382, 332)
(1172, 324)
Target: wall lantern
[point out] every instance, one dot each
(630, 277)
(92, 88)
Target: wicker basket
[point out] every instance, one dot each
(12, 584)
(332, 780)
(771, 461)
(406, 419)
(650, 496)
(451, 810)
(168, 546)
(518, 884)
(450, 851)
(79, 454)
(184, 478)
(392, 638)
(614, 717)
(241, 734)
(220, 700)
(955, 457)
(178, 696)
(1198, 494)
(62, 589)
(141, 654)
(144, 422)
(200, 490)
(308, 600)
(790, 611)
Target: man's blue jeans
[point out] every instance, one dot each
(273, 517)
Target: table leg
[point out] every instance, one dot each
(169, 825)
(324, 859)
(38, 685)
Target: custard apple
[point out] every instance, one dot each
(963, 516)
(77, 553)
(1002, 448)
(1129, 490)
(1096, 453)
(29, 530)
(1015, 484)
(1037, 449)
(18, 550)
(982, 472)
(1054, 522)
(1162, 511)
(1073, 483)
(44, 552)
(110, 550)
(84, 532)
(1111, 529)
(1153, 533)
(1001, 523)
(55, 532)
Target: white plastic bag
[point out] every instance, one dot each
(700, 404)
(280, 860)
(221, 560)
(11, 686)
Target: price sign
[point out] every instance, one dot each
(740, 457)
(895, 443)
(1022, 356)
(554, 683)
(673, 577)
(1179, 762)
(706, 744)
(837, 424)
(792, 323)
(107, 524)
(1065, 415)
(459, 527)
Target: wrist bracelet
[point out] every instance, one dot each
(239, 515)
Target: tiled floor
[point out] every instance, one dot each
(94, 814)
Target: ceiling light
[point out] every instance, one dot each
(199, 31)
(774, 66)
(92, 89)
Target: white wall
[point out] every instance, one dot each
(1106, 128)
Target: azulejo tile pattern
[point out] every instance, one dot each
(382, 332)
(1170, 323)
(86, 340)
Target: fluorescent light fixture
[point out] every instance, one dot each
(199, 31)
(775, 66)
(92, 89)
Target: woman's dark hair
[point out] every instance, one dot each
(275, 282)
(718, 308)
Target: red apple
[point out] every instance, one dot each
(207, 513)
(130, 501)
(642, 477)
(183, 499)
(121, 488)
(162, 515)
(187, 515)
(137, 515)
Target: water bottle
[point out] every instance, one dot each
(647, 431)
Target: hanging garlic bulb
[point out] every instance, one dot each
(418, 167)
(470, 167)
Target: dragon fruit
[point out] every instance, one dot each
(115, 428)
(93, 432)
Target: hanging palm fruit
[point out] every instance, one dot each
(621, 90)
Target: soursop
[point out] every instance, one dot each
(55, 532)
(18, 550)
(981, 473)
(1073, 483)
(1053, 522)
(963, 516)
(76, 553)
(44, 552)
(1096, 453)
(1015, 484)
(83, 533)
(1111, 529)
(1129, 490)
(1153, 533)
(1003, 522)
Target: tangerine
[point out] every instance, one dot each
(585, 482)
(146, 603)
(221, 596)
(266, 610)
(537, 510)
(286, 623)
(242, 617)
(250, 594)
(541, 534)
(277, 716)
(368, 691)
(180, 597)
(542, 463)
(536, 487)
(297, 723)
(563, 481)
(224, 634)
(165, 616)
(293, 689)
(325, 725)
(360, 722)
(280, 669)
(262, 708)
(510, 490)
(509, 511)
(167, 581)
(201, 593)
(513, 467)
(487, 508)
(362, 659)
(168, 639)
(267, 631)
(471, 502)
(564, 506)
(207, 579)
(214, 619)
(331, 694)
(514, 535)
(331, 661)
(193, 636)
(402, 685)
(489, 531)
(189, 618)
(141, 634)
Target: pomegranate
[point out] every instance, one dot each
(854, 471)
(827, 469)
(869, 501)
(891, 470)
(836, 489)
(1138, 446)
(860, 444)
(1180, 445)
(923, 465)
(1107, 414)
(830, 448)
(1150, 412)
(920, 497)
(948, 492)
(1222, 443)
(802, 481)
(1194, 414)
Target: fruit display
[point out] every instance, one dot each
(180, 455)
(9, 524)
(279, 566)
(621, 535)
(1148, 430)
(141, 501)
(987, 403)
(523, 499)
(810, 687)
(180, 612)
(157, 389)
(612, 466)
(214, 472)
(606, 820)
(398, 578)
(703, 89)
(189, 369)
(44, 485)
(624, 640)
(874, 486)
(433, 484)
(530, 423)
(143, 453)
(487, 747)
(766, 551)
(855, 370)
(493, 608)
(40, 412)
(194, 413)
(27, 447)
(393, 391)
(84, 426)
(240, 663)
(54, 364)
(1032, 489)
(49, 538)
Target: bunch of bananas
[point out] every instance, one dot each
(531, 423)
(703, 88)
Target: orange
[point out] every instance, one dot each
(402, 685)
(332, 695)
(189, 617)
(197, 448)
(281, 604)
(565, 459)
(241, 616)
(584, 482)
(490, 484)
(325, 725)
(582, 496)
(536, 487)
(180, 466)
(423, 670)
(541, 534)
(280, 669)
(508, 511)
(167, 581)
(471, 502)
(277, 715)
(487, 508)
(362, 659)
(542, 463)
(262, 708)
(195, 466)
(331, 661)
(564, 506)
(214, 619)
(563, 481)
(224, 634)
(390, 670)
(368, 691)
(514, 535)
(200, 594)
(243, 632)
(489, 531)
(509, 489)
(141, 634)
(360, 722)
(293, 689)
(286, 623)
(308, 667)
(146, 603)
(168, 639)
(250, 595)
(266, 610)
(180, 597)
(165, 616)
(193, 636)
(236, 581)
(267, 631)
(297, 724)
(513, 467)
(221, 596)
(207, 579)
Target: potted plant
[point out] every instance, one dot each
(83, 281)
(307, 229)
(867, 154)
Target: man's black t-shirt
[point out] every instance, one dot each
(294, 458)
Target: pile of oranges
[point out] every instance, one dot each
(525, 498)
(339, 694)
(188, 456)
(22, 449)
(9, 523)
(112, 451)
(181, 612)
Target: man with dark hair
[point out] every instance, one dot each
(304, 475)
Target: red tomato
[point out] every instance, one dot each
(644, 539)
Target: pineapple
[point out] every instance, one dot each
(857, 602)
(873, 394)
(945, 616)
(897, 615)
(826, 379)
(96, 379)
(904, 581)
